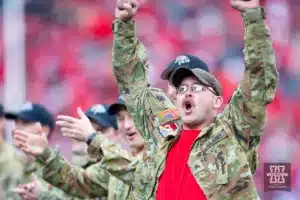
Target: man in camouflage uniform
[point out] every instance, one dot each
(223, 153)
(101, 122)
(94, 181)
(11, 170)
(31, 117)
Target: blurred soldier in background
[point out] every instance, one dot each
(29, 118)
(11, 169)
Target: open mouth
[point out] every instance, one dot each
(188, 106)
(130, 136)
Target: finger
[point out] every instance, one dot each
(69, 135)
(69, 130)
(21, 185)
(135, 4)
(67, 118)
(20, 139)
(20, 191)
(65, 124)
(19, 145)
(22, 133)
(80, 113)
(73, 136)
(120, 4)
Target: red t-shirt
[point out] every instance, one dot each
(177, 181)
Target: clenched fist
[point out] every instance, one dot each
(242, 5)
(126, 9)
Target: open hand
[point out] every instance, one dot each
(78, 129)
(31, 143)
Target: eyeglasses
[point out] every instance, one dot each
(197, 88)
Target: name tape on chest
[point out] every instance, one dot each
(215, 139)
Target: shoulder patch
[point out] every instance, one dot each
(166, 116)
(167, 129)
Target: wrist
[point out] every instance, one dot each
(43, 157)
(125, 28)
(252, 15)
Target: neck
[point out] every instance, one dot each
(197, 126)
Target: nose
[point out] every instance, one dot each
(188, 93)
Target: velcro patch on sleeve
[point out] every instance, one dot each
(166, 116)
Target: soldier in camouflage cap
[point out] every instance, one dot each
(221, 155)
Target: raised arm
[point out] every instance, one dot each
(247, 107)
(130, 63)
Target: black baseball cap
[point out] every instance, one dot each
(99, 114)
(116, 107)
(185, 60)
(31, 112)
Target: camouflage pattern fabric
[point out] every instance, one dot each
(224, 156)
(11, 172)
(78, 159)
(90, 183)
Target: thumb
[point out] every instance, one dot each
(81, 113)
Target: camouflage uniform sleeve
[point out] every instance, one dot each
(95, 171)
(247, 107)
(72, 180)
(115, 160)
(11, 172)
(10, 181)
(50, 195)
(130, 63)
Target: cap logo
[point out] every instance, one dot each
(27, 107)
(98, 109)
(182, 60)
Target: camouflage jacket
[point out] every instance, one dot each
(223, 158)
(11, 172)
(92, 182)
(79, 159)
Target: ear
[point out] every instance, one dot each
(217, 102)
